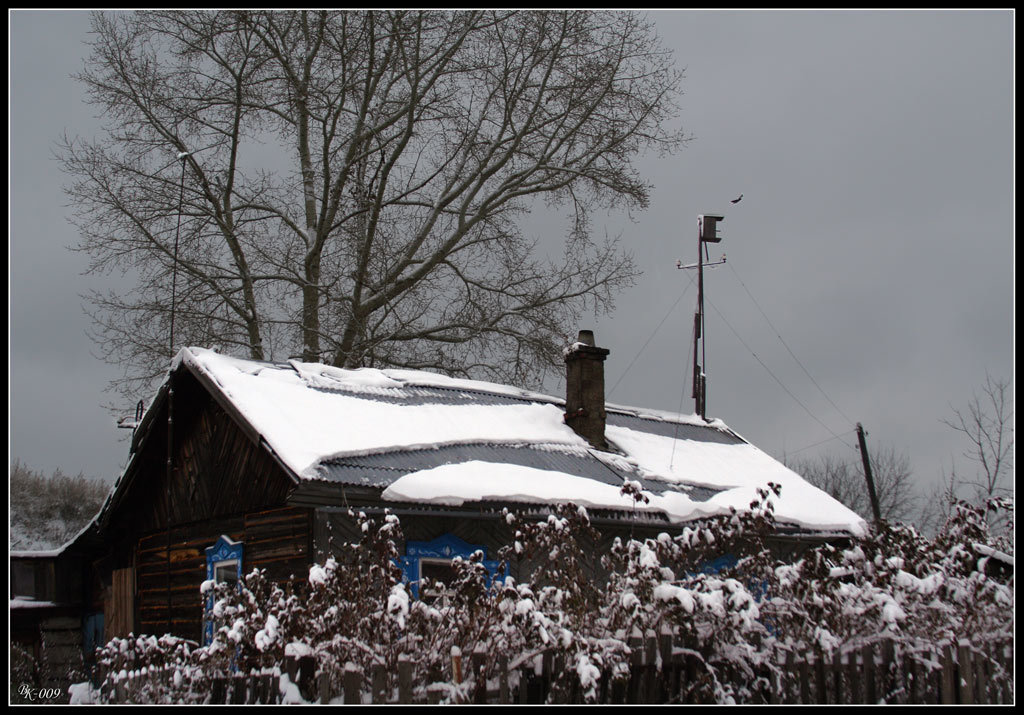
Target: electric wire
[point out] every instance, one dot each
(682, 395)
(656, 329)
(786, 345)
(816, 444)
(768, 370)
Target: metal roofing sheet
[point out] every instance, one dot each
(381, 469)
(433, 394)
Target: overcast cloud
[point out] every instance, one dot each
(875, 155)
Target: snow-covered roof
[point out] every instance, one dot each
(426, 438)
(19, 603)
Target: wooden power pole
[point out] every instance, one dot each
(867, 473)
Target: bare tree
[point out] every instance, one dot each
(415, 141)
(987, 423)
(844, 481)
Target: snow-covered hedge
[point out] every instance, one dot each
(734, 624)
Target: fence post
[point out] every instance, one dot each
(669, 671)
(479, 661)
(819, 677)
(651, 685)
(870, 690)
(353, 683)
(217, 691)
(981, 678)
(404, 680)
(1005, 651)
(324, 687)
(546, 672)
(910, 677)
(456, 666)
(889, 675)
(618, 691)
(837, 677)
(503, 690)
(966, 679)
(786, 678)
(948, 676)
(525, 673)
(240, 690)
(805, 697)
(853, 679)
(378, 684)
(636, 659)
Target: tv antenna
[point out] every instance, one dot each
(707, 232)
(182, 156)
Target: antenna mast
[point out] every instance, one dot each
(174, 269)
(707, 232)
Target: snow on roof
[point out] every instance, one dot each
(314, 415)
(40, 554)
(18, 603)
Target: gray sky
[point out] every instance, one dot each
(875, 154)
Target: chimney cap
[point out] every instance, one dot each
(587, 338)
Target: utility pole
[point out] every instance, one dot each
(867, 473)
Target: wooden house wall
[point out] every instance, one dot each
(222, 483)
(217, 469)
(486, 530)
(172, 563)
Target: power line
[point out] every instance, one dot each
(795, 399)
(644, 346)
(786, 345)
(830, 439)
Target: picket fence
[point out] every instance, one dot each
(660, 673)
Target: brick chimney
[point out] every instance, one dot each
(584, 389)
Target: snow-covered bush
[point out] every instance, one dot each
(732, 619)
(175, 670)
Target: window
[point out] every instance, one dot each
(32, 579)
(226, 571)
(223, 565)
(438, 574)
(23, 579)
(433, 560)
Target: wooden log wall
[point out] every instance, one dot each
(61, 641)
(172, 563)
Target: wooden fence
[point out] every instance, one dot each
(949, 674)
(659, 673)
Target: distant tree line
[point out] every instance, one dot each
(47, 511)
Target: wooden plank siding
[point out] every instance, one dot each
(172, 563)
(222, 482)
(217, 468)
(118, 614)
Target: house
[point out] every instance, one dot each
(239, 464)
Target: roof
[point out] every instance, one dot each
(424, 438)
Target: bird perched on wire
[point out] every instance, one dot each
(737, 199)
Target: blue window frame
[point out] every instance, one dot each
(420, 554)
(223, 565)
